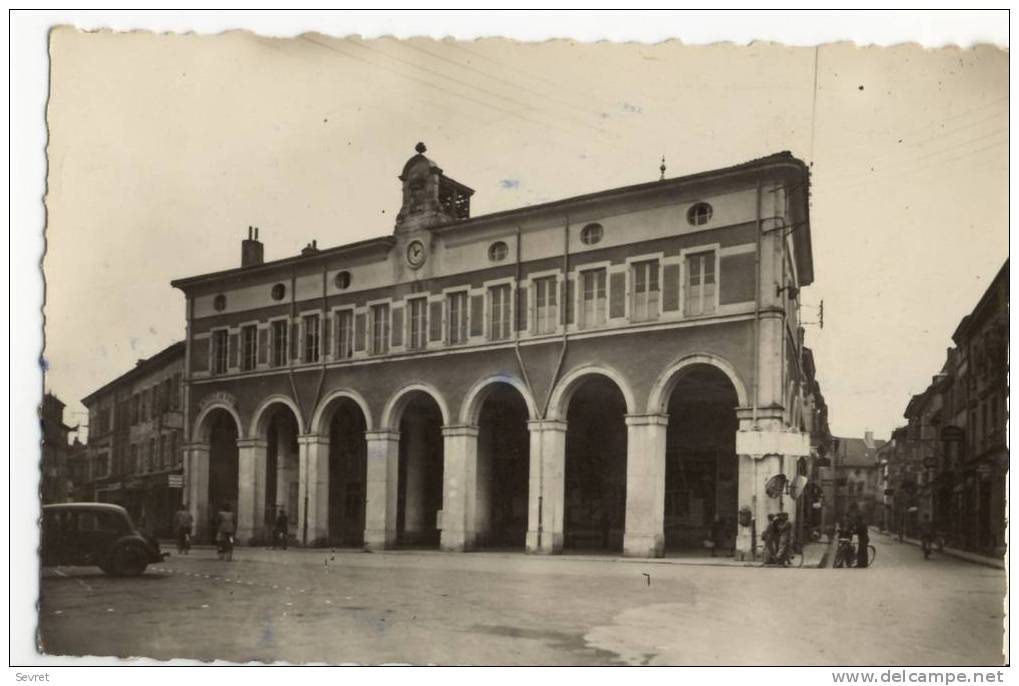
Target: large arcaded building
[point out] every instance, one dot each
(611, 371)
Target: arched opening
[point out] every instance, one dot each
(701, 469)
(595, 475)
(282, 469)
(503, 468)
(419, 495)
(348, 454)
(223, 465)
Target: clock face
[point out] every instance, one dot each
(415, 254)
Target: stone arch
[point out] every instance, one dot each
(258, 426)
(394, 406)
(318, 419)
(560, 401)
(201, 426)
(658, 400)
(470, 408)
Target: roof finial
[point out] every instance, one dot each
(420, 147)
(662, 169)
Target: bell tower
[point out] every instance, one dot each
(429, 197)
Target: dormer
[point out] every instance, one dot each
(429, 197)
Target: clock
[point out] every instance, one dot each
(415, 254)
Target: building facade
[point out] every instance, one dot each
(55, 481)
(614, 371)
(858, 476)
(136, 438)
(950, 461)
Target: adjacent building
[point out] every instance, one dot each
(614, 371)
(951, 459)
(858, 476)
(136, 440)
(55, 484)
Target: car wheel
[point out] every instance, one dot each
(126, 560)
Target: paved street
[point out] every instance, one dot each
(502, 608)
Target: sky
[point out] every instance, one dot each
(163, 149)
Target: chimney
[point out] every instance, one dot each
(868, 438)
(311, 248)
(252, 250)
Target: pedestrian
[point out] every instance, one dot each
(226, 527)
(784, 536)
(281, 529)
(926, 535)
(182, 523)
(770, 539)
(858, 524)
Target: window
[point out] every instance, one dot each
(700, 283)
(249, 347)
(591, 234)
(500, 312)
(175, 393)
(279, 291)
(699, 214)
(545, 310)
(380, 329)
(345, 334)
(136, 408)
(343, 280)
(279, 343)
(457, 322)
(220, 341)
(173, 458)
(162, 451)
(418, 323)
(135, 464)
(311, 333)
(592, 311)
(497, 251)
(646, 292)
(219, 303)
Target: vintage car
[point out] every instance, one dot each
(96, 534)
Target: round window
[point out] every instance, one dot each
(279, 291)
(343, 280)
(219, 303)
(699, 214)
(591, 234)
(497, 251)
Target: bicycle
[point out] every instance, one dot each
(846, 553)
(225, 548)
(793, 558)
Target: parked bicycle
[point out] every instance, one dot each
(846, 553)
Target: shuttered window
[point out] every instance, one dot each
(380, 329)
(311, 338)
(456, 308)
(546, 310)
(249, 345)
(500, 311)
(592, 306)
(646, 292)
(279, 343)
(345, 334)
(418, 323)
(219, 351)
(701, 286)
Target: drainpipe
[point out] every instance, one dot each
(555, 373)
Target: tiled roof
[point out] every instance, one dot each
(856, 452)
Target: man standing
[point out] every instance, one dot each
(784, 531)
(281, 529)
(182, 523)
(926, 535)
(860, 527)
